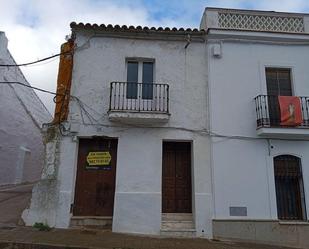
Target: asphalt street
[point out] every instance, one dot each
(13, 200)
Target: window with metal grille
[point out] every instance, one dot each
(289, 188)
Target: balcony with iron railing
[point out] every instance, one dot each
(268, 118)
(139, 102)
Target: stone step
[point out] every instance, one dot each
(177, 225)
(181, 233)
(177, 217)
(100, 222)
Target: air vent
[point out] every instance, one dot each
(238, 211)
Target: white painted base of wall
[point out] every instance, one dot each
(137, 213)
(270, 232)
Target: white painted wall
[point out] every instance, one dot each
(21, 116)
(139, 163)
(243, 168)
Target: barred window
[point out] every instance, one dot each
(289, 188)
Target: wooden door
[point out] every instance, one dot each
(95, 183)
(176, 178)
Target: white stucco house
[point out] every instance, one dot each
(140, 99)
(260, 166)
(22, 114)
(179, 132)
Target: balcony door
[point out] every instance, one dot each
(278, 81)
(140, 72)
(139, 90)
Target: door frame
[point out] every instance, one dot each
(192, 171)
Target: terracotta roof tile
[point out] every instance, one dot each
(125, 28)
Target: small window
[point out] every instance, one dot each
(289, 188)
(140, 79)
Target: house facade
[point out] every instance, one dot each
(180, 132)
(22, 115)
(139, 104)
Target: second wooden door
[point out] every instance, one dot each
(176, 178)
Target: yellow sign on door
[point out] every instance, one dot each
(99, 158)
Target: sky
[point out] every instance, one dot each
(36, 28)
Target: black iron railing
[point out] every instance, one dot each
(268, 111)
(139, 97)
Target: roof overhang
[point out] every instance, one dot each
(139, 32)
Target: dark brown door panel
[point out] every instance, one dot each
(95, 186)
(176, 178)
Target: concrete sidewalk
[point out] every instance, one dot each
(31, 238)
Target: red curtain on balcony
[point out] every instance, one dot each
(290, 111)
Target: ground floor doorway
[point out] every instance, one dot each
(176, 178)
(95, 178)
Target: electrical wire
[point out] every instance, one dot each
(25, 85)
(43, 63)
(203, 132)
(94, 121)
(83, 105)
(34, 62)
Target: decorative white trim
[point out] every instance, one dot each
(261, 22)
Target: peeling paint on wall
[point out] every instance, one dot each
(45, 193)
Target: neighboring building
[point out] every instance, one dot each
(22, 114)
(199, 146)
(260, 165)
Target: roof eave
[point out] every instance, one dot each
(139, 32)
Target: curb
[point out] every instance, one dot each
(25, 245)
